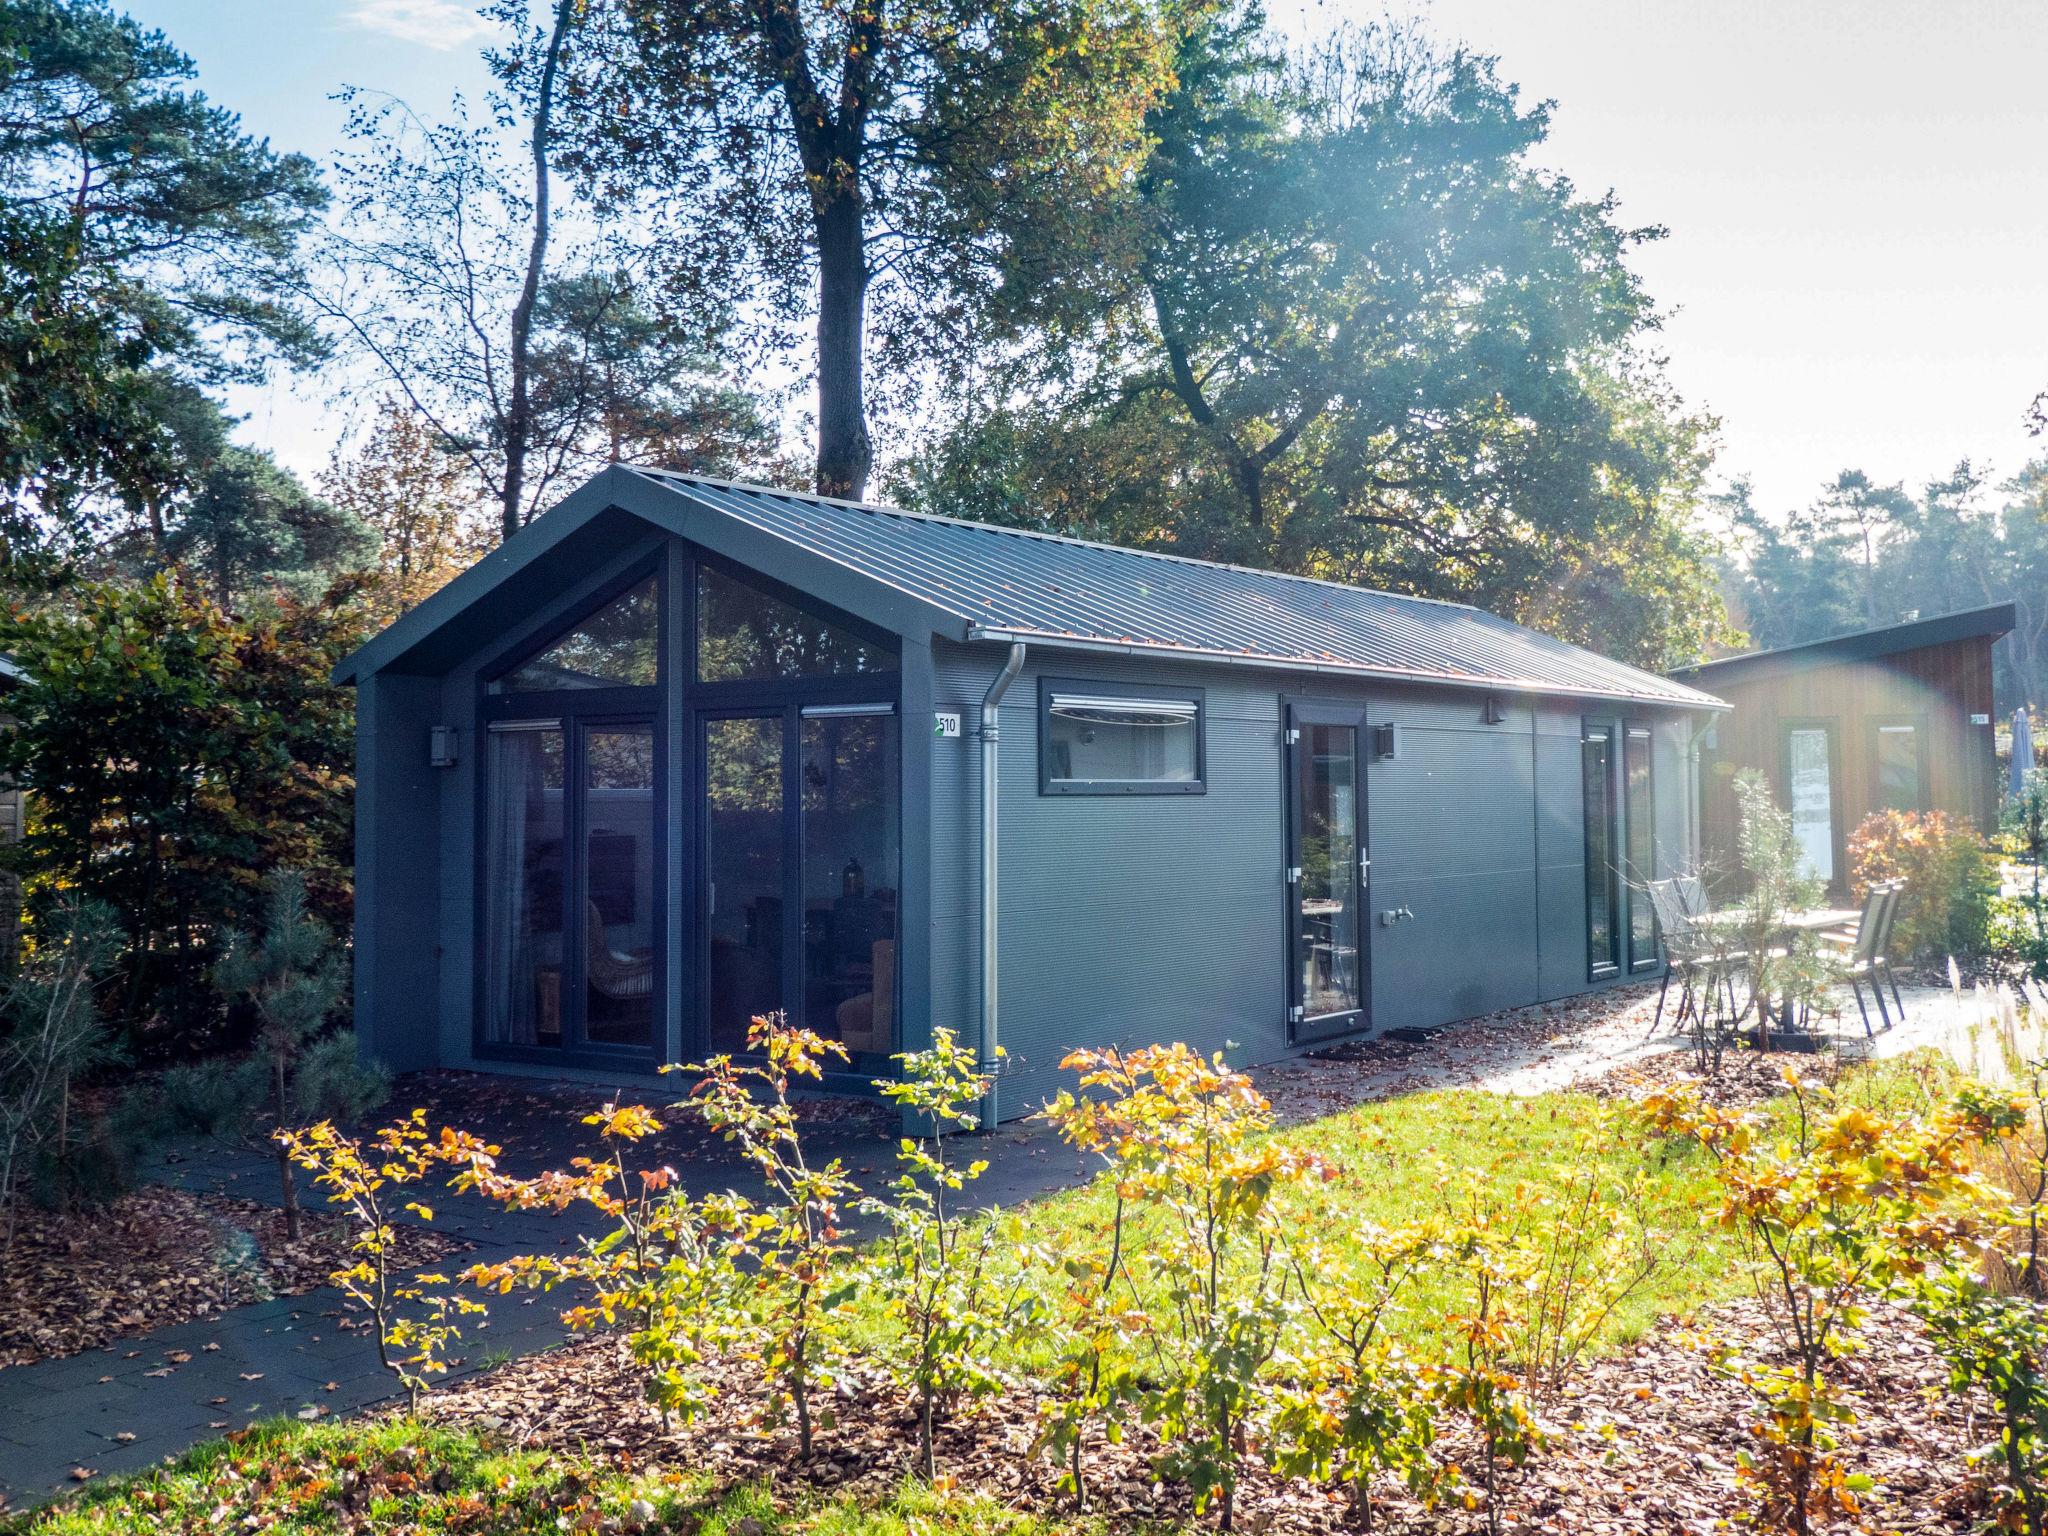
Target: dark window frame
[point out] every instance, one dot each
(825, 687)
(1608, 870)
(1633, 891)
(509, 659)
(578, 710)
(1090, 687)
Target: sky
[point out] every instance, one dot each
(1856, 194)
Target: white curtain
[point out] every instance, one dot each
(512, 789)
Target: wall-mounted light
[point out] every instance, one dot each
(1496, 712)
(441, 746)
(1386, 740)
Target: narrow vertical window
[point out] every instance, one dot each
(524, 821)
(1641, 824)
(1896, 769)
(1603, 885)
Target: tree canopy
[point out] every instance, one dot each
(1367, 339)
(911, 176)
(146, 235)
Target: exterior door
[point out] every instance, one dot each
(1811, 795)
(1329, 957)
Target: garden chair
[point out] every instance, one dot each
(1881, 950)
(1859, 962)
(1690, 950)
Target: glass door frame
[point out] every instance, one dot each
(1296, 712)
(694, 702)
(878, 700)
(575, 711)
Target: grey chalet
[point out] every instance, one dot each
(684, 752)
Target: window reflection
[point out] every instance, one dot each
(615, 647)
(743, 868)
(744, 633)
(849, 863)
(619, 935)
(523, 888)
(1642, 849)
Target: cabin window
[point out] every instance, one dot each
(618, 645)
(747, 635)
(1898, 774)
(1103, 739)
(1620, 802)
(1603, 879)
(1640, 816)
(1810, 796)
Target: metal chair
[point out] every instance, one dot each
(1880, 953)
(1860, 962)
(1689, 950)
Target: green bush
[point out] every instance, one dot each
(1948, 875)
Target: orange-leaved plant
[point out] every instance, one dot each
(1843, 1203)
(797, 1293)
(1187, 1138)
(415, 1316)
(669, 1267)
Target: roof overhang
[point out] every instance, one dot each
(1692, 699)
(1988, 622)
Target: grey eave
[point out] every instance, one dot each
(913, 573)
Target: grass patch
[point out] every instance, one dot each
(397, 1475)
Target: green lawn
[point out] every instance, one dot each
(288, 1476)
(395, 1476)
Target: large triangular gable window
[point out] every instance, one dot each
(744, 634)
(617, 646)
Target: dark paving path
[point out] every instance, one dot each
(152, 1396)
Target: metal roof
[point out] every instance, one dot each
(1994, 619)
(976, 581)
(1009, 583)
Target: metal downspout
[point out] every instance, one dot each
(987, 1053)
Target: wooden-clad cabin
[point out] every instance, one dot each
(1893, 718)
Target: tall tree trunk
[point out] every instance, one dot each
(845, 452)
(519, 408)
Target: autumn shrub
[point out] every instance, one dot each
(1186, 1141)
(1491, 1272)
(795, 1306)
(1350, 1404)
(414, 1317)
(1841, 1202)
(668, 1267)
(1948, 875)
(932, 1268)
(172, 752)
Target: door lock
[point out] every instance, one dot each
(1395, 915)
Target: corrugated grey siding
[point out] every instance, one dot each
(1125, 920)
(1147, 918)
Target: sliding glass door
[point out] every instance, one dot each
(571, 911)
(800, 853)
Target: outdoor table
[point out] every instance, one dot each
(1736, 920)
